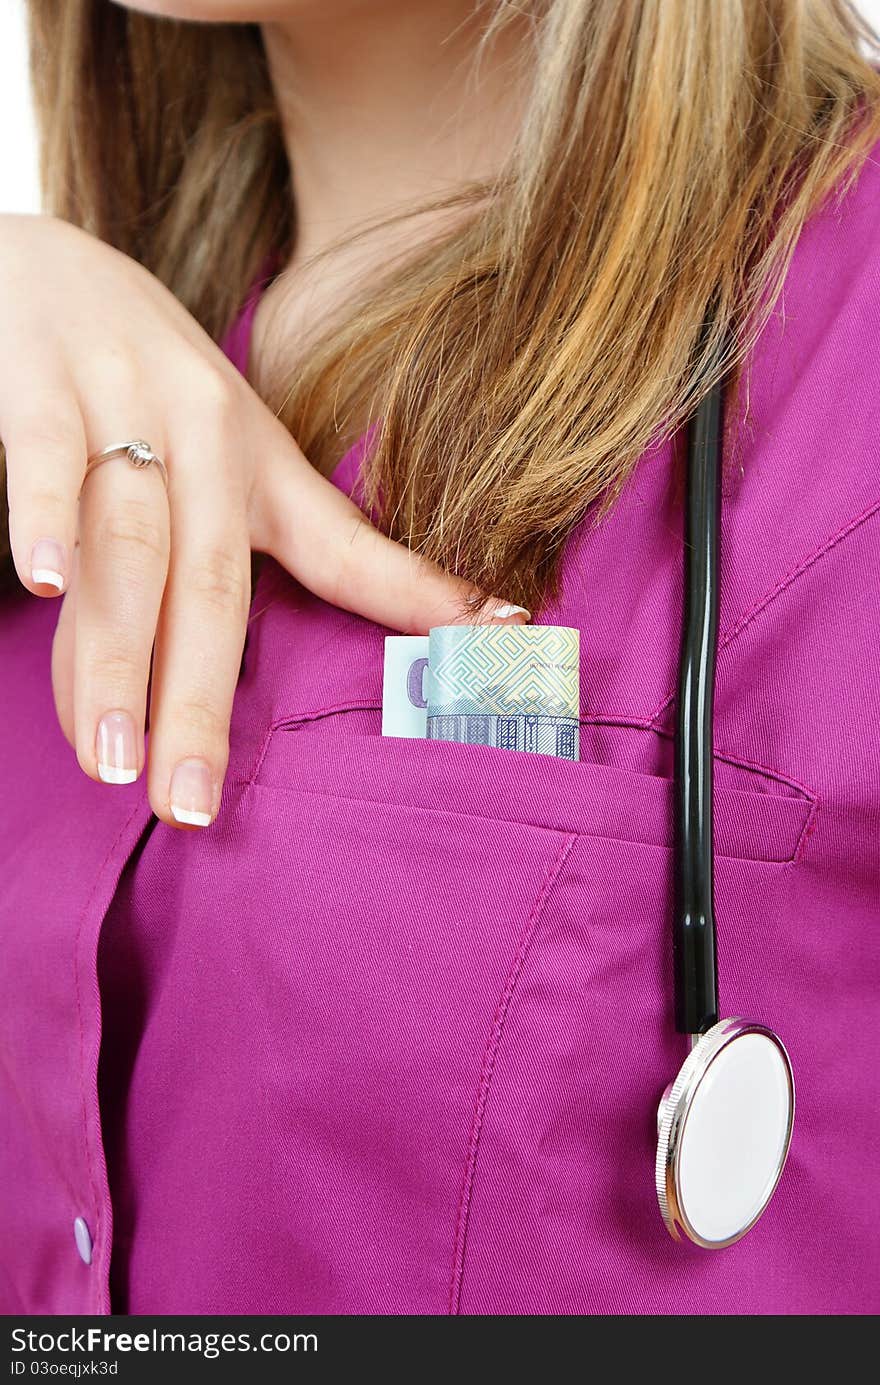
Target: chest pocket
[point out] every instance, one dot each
(325, 740)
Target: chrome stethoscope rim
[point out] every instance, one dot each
(672, 1117)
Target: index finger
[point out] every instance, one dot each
(322, 538)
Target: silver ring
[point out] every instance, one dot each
(138, 454)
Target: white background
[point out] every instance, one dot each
(18, 173)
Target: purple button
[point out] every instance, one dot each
(83, 1240)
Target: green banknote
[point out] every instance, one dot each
(516, 687)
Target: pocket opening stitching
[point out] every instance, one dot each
(807, 798)
(292, 723)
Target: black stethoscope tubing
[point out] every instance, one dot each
(694, 951)
(725, 1121)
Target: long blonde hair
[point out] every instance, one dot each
(520, 364)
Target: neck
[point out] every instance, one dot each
(383, 108)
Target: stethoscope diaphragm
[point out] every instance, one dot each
(724, 1128)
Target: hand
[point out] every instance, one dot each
(93, 351)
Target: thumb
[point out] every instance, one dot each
(321, 537)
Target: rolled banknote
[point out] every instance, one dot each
(516, 687)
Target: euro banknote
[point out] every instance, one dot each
(515, 687)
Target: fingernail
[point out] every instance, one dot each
(192, 793)
(116, 749)
(504, 609)
(48, 564)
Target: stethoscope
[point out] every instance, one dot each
(725, 1122)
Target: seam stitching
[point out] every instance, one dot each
(765, 770)
(730, 757)
(806, 831)
(289, 721)
(489, 1058)
(782, 585)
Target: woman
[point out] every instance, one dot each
(382, 1029)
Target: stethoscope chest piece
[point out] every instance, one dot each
(724, 1128)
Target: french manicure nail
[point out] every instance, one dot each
(504, 609)
(48, 564)
(192, 793)
(116, 748)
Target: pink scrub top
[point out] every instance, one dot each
(390, 1035)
